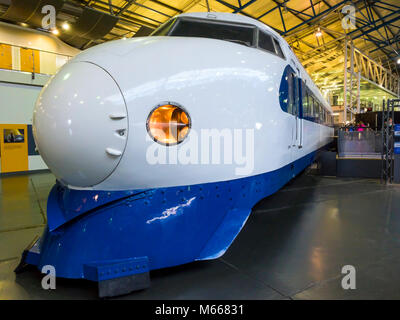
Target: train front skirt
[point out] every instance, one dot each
(116, 237)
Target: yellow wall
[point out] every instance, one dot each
(30, 60)
(5, 56)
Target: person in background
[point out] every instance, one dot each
(361, 126)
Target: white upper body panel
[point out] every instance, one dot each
(222, 85)
(74, 125)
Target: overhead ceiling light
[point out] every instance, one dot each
(398, 60)
(319, 32)
(65, 25)
(55, 31)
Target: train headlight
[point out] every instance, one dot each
(168, 124)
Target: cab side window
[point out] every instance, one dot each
(279, 49)
(265, 42)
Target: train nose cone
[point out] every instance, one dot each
(80, 124)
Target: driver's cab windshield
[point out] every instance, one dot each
(188, 27)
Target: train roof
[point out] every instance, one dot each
(231, 17)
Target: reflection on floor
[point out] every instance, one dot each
(293, 246)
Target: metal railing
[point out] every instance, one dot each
(359, 144)
(26, 59)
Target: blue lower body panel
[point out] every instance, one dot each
(89, 230)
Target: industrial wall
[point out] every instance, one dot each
(28, 58)
(29, 50)
(18, 94)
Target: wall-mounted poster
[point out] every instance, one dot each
(13, 135)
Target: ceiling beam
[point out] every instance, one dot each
(125, 7)
(230, 6)
(111, 8)
(241, 8)
(167, 6)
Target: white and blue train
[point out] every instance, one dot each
(116, 212)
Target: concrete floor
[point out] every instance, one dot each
(293, 246)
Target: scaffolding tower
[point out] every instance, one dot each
(388, 140)
(358, 67)
(351, 78)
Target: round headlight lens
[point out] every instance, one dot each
(168, 124)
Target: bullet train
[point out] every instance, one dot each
(161, 145)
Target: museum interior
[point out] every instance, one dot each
(118, 181)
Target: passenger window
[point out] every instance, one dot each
(265, 42)
(304, 98)
(279, 49)
(315, 113)
(312, 108)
